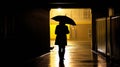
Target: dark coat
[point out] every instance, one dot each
(61, 37)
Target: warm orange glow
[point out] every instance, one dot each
(77, 54)
(80, 16)
(59, 9)
(54, 58)
(52, 31)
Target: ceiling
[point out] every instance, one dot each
(84, 3)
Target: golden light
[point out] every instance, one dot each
(80, 16)
(54, 57)
(59, 9)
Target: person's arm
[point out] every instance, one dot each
(67, 31)
(56, 30)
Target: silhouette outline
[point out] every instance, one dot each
(65, 19)
(61, 38)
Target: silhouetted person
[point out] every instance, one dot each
(61, 64)
(61, 38)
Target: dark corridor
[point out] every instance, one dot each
(24, 30)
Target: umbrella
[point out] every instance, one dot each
(65, 19)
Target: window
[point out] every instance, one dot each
(87, 14)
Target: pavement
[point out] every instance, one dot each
(77, 54)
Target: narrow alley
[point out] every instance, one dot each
(78, 54)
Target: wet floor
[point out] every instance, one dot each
(78, 54)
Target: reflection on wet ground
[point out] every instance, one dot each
(78, 54)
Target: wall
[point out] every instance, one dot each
(107, 36)
(115, 38)
(81, 32)
(36, 30)
(101, 34)
(25, 34)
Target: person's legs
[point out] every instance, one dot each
(60, 49)
(61, 52)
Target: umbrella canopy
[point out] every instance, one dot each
(64, 19)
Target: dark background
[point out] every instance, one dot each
(24, 26)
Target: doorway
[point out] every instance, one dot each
(81, 32)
